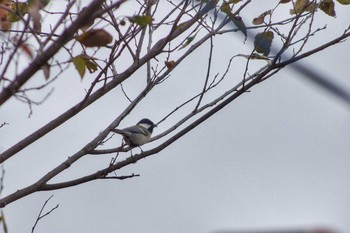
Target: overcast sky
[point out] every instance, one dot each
(277, 157)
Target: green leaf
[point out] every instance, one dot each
(188, 41)
(263, 41)
(225, 7)
(83, 62)
(344, 2)
(327, 6)
(90, 65)
(237, 20)
(142, 20)
(80, 66)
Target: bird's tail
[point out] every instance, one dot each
(119, 131)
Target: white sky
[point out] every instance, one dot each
(278, 156)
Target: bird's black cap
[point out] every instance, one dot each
(148, 122)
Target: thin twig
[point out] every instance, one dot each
(40, 216)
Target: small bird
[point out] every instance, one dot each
(137, 135)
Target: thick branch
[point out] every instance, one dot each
(137, 157)
(41, 59)
(156, 49)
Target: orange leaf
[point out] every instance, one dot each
(260, 19)
(170, 64)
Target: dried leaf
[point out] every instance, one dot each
(169, 64)
(3, 11)
(284, 1)
(95, 38)
(301, 6)
(90, 64)
(89, 23)
(5, 25)
(260, 19)
(86, 26)
(263, 41)
(327, 6)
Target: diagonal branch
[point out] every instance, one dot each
(156, 49)
(75, 157)
(41, 59)
(133, 159)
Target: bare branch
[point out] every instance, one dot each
(40, 215)
(41, 59)
(207, 76)
(3, 124)
(182, 22)
(156, 49)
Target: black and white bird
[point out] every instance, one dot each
(137, 135)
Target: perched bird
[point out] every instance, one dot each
(137, 135)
